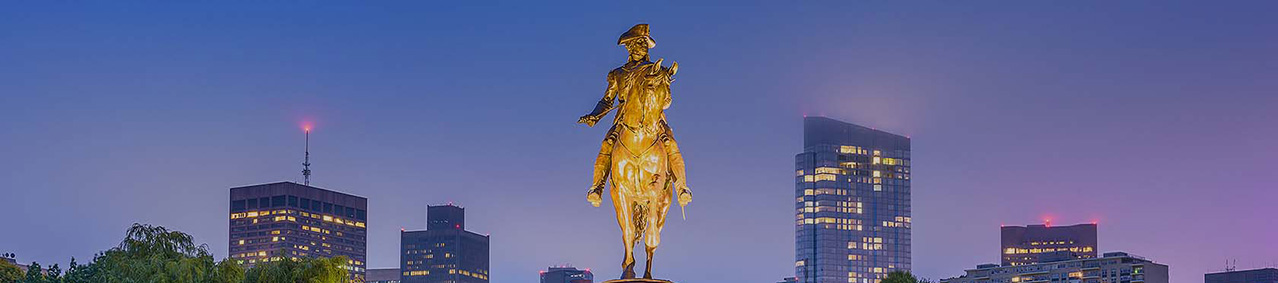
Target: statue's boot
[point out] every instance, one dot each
(675, 159)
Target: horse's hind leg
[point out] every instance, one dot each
(656, 219)
(647, 267)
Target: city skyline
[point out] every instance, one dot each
(1158, 115)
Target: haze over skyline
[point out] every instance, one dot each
(1154, 118)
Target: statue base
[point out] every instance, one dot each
(638, 280)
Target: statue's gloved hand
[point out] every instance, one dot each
(595, 197)
(685, 196)
(589, 120)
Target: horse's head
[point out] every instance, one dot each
(659, 76)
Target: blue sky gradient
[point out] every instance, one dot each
(1155, 118)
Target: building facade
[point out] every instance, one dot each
(1115, 267)
(566, 274)
(1263, 275)
(383, 275)
(852, 203)
(278, 221)
(1042, 243)
(445, 251)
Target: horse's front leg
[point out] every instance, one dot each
(623, 204)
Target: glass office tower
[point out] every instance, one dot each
(852, 203)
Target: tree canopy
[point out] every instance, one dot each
(301, 270)
(903, 277)
(153, 254)
(9, 273)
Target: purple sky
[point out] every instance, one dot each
(1156, 119)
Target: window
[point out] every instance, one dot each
(277, 201)
(360, 214)
(306, 203)
(339, 210)
(237, 206)
(328, 208)
(252, 203)
(264, 202)
(292, 201)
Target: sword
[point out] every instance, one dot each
(682, 213)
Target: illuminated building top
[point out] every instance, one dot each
(1031, 244)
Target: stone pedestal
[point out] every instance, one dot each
(638, 280)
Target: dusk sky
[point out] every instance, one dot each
(1157, 119)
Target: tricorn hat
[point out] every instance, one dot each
(639, 31)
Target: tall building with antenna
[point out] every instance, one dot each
(286, 220)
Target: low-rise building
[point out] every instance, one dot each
(566, 274)
(1263, 275)
(383, 275)
(1113, 267)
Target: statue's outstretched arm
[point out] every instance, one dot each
(604, 105)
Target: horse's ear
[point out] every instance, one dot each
(674, 68)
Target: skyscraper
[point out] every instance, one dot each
(278, 221)
(1042, 243)
(852, 203)
(445, 251)
(566, 274)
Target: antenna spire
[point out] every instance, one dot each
(306, 163)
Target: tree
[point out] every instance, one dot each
(903, 277)
(153, 254)
(53, 274)
(227, 271)
(76, 273)
(9, 273)
(147, 254)
(35, 274)
(300, 270)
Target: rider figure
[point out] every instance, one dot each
(637, 42)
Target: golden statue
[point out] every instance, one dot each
(639, 152)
